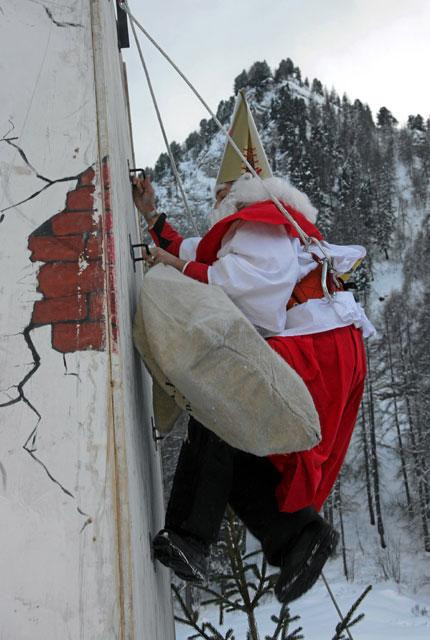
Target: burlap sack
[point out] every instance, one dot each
(168, 403)
(197, 340)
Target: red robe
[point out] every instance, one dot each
(332, 364)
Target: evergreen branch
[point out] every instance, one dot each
(348, 622)
(283, 622)
(221, 597)
(192, 618)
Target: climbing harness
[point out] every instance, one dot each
(308, 241)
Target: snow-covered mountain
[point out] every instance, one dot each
(370, 181)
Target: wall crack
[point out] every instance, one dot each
(48, 181)
(31, 449)
(58, 23)
(73, 300)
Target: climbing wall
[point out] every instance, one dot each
(80, 481)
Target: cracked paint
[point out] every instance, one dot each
(3, 476)
(21, 397)
(56, 457)
(61, 24)
(48, 181)
(66, 370)
(58, 23)
(30, 445)
(74, 228)
(79, 483)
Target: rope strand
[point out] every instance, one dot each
(307, 241)
(333, 599)
(163, 131)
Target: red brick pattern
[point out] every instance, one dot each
(73, 223)
(53, 249)
(67, 337)
(109, 254)
(72, 244)
(60, 309)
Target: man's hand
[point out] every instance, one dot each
(159, 256)
(144, 197)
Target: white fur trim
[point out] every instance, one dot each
(218, 187)
(247, 190)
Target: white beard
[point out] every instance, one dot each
(226, 207)
(247, 190)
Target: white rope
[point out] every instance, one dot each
(333, 599)
(163, 131)
(307, 240)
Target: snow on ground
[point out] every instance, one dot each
(388, 277)
(392, 612)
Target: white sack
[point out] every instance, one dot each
(197, 340)
(167, 401)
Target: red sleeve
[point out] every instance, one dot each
(197, 270)
(165, 236)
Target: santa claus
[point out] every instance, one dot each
(256, 255)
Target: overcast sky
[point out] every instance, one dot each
(374, 50)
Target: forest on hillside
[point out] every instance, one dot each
(369, 177)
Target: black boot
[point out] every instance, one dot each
(253, 498)
(302, 562)
(197, 503)
(185, 555)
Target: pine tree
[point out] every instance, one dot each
(317, 87)
(194, 142)
(240, 82)
(176, 151)
(385, 118)
(241, 589)
(161, 166)
(225, 110)
(416, 122)
(374, 460)
(285, 70)
(258, 73)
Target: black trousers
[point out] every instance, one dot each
(211, 474)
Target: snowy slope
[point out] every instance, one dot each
(364, 155)
(391, 613)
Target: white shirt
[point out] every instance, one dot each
(258, 266)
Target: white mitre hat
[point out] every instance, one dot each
(244, 132)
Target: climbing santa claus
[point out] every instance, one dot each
(286, 283)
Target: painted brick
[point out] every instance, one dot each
(87, 177)
(107, 199)
(74, 299)
(112, 295)
(81, 199)
(72, 223)
(105, 175)
(94, 247)
(115, 337)
(51, 249)
(92, 277)
(71, 337)
(57, 279)
(110, 249)
(60, 309)
(108, 222)
(96, 306)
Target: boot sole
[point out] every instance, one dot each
(172, 557)
(303, 577)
